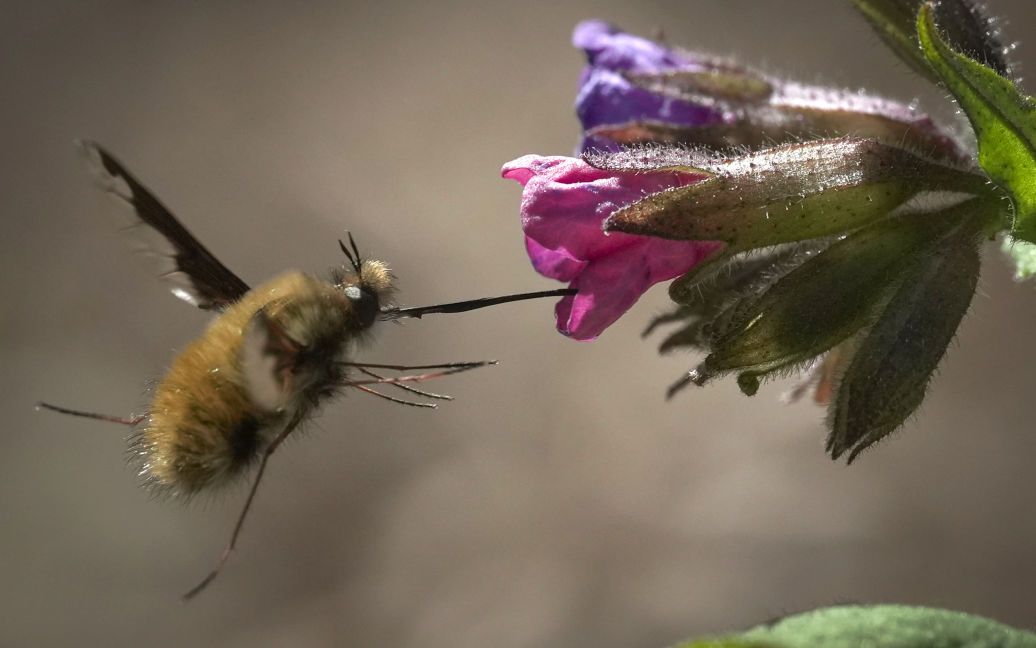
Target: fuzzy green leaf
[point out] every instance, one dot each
(887, 626)
(1004, 120)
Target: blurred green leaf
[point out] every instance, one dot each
(876, 626)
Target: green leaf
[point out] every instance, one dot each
(788, 193)
(1003, 118)
(727, 643)
(891, 366)
(890, 626)
(884, 626)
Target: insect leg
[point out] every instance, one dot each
(121, 420)
(194, 591)
(467, 366)
(394, 399)
(412, 390)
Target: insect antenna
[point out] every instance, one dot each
(121, 420)
(354, 256)
(393, 312)
(356, 250)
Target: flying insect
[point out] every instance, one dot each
(270, 358)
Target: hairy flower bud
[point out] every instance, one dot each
(793, 192)
(636, 91)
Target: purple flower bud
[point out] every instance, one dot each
(607, 97)
(634, 90)
(564, 203)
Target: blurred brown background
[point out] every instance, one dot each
(559, 501)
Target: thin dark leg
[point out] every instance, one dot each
(121, 420)
(394, 399)
(416, 377)
(412, 390)
(244, 513)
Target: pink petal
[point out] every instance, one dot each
(608, 287)
(565, 201)
(553, 263)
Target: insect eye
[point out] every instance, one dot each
(365, 304)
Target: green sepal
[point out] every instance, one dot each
(1004, 120)
(724, 82)
(702, 299)
(654, 159)
(893, 362)
(758, 127)
(789, 193)
(968, 29)
(726, 135)
(823, 301)
(887, 626)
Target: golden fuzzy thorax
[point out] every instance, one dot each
(203, 427)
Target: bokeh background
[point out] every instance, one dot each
(559, 501)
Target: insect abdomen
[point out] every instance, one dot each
(202, 430)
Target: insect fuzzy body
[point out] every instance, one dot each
(267, 361)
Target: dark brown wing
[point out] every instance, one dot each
(196, 276)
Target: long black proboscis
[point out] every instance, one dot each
(471, 304)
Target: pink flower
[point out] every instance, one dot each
(564, 203)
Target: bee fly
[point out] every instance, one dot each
(267, 361)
